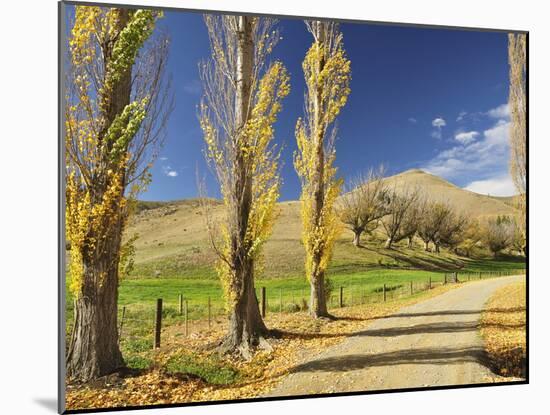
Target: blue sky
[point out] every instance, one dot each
(433, 99)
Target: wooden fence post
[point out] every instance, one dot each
(341, 297)
(280, 300)
(411, 288)
(181, 304)
(158, 323)
(209, 313)
(263, 301)
(186, 317)
(429, 283)
(384, 292)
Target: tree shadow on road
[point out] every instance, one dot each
(445, 327)
(428, 356)
(458, 312)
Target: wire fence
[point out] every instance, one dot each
(141, 325)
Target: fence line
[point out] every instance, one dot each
(141, 322)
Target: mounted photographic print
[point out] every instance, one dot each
(256, 207)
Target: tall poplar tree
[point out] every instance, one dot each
(327, 73)
(117, 104)
(517, 57)
(242, 98)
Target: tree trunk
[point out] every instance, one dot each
(93, 350)
(357, 237)
(427, 246)
(246, 327)
(437, 251)
(410, 242)
(317, 302)
(389, 243)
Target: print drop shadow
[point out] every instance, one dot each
(48, 403)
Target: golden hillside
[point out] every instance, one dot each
(473, 204)
(173, 240)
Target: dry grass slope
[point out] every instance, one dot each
(173, 241)
(474, 204)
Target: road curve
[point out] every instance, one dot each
(433, 343)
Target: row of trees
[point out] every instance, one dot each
(117, 105)
(405, 213)
(242, 97)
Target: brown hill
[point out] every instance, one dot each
(173, 240)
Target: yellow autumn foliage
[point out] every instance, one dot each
(327, 72)
(97, 155)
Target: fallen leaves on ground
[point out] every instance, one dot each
(299, 337)
(503, 330)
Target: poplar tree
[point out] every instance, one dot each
(117, 104)
(327, 73)
(242, 98)
(517, 57)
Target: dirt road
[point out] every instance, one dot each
(435, 342)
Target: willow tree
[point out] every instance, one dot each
(517, 56)
(327, 73)
(399, 223)
(242, 98)
(361, 207)
(117, 103)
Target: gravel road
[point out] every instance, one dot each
(432, 343)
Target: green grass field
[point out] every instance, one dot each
(143, 292)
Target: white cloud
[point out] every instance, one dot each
(461, 116)
(466, 137)
(494, 186)
(163, 158)
(438, 123)
(169, 171)
(481, 156)
(412, 120)
(502, 112)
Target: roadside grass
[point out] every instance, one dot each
(503, 325)
(211, 369)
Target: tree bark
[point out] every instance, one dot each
(246, 326)
(437, 250)
(317, 302)
(93, 350)
(389, 243)
(427, 246)
(357, 237)
(410, 242)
